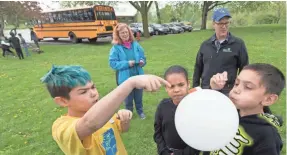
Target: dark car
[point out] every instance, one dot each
(159, 29)
(173, 28)
(185, 27)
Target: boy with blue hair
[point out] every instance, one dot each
(91, 125)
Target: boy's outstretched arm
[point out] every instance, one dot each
(101, 112)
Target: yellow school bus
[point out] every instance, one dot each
(77, 24)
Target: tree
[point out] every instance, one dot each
(143, 7)
(206, 7)
(14, 11)
(167, 13)
(248, 6)
(157, 12)
(68, 4)
(280, 8)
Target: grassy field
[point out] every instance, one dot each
(27, 111)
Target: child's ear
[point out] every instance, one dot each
(188, 83)
(270, 99)
(61, 101)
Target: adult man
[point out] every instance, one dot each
(222, 52)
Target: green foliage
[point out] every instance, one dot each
(15, 11)
(266, 19)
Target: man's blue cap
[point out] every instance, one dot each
(220, 13)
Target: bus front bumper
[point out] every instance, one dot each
(102, 35)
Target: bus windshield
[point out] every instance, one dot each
(105, 13)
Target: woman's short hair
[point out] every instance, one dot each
(116, 37)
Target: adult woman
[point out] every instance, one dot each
(128, 59)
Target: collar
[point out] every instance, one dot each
(229, 38)
(213, 38)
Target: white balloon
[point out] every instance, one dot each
(206, 120)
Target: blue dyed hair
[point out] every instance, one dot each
(60, 80)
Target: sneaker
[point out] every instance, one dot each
(142, 116)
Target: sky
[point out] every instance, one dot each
(49, 5)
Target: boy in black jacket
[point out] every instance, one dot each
(165, 135)
(257, 85)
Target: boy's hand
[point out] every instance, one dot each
(218, 81)
(124, 115)
(148, 82)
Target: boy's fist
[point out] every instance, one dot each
(218, 80)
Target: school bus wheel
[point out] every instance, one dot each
(73, 37)
(55, 39)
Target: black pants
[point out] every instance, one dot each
(5, 50)
(19, 53)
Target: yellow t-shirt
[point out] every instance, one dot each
(105, 141)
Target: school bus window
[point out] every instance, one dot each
(64, 16)
(47, 19)
(91, 15)
(80, 14)
(54, 18)
(59, 17)
(69, 15)
(74, 15)
(86, 15)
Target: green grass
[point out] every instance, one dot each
(27, 111)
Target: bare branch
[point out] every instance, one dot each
(217, 4)
(213, 4)
(135, 4)
(149, 4)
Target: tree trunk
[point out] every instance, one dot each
(145, 23)
(157, 12)
(204, 15)
(2, 26)
(143, 7)
(16, 21)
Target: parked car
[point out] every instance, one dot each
(134, 30)
(172, 28)
(185, 27)
(139, 26)
(159, 29)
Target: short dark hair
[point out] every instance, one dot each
(176, 69)
(271, 77)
